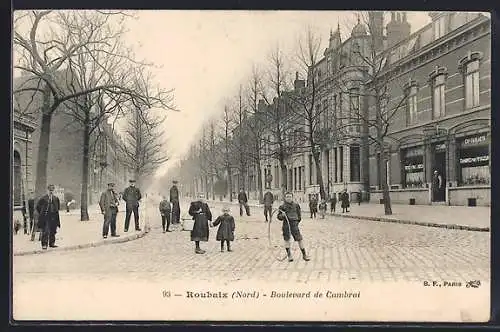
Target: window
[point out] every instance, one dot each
(472, 84)
(438, 109)
(474, 160)
(440, 27)
(311, 169)
(341, 152)
(295, 178)
(354, 163)
(325, 115)
(334, 112)
(335, 165)
(412, 160)
(354, 108)
(300, 177)
(412, 105)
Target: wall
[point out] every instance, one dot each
(459, 195)
(403, 196)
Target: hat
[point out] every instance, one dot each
(51, 186)
(175, 181)
(131, 180)
(226, 209)
(111, 184)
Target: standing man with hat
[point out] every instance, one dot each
(132, 196)
(48, 217)
(109, 208)
(174, 199)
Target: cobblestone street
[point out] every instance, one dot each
(341, 249)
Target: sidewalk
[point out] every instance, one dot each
(452, 217)
(76, 234)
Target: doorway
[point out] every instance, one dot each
(439, 179)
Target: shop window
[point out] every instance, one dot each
(438, 96)
(474, 161)
(472, 84)
(412, 106)
(355, 163)
(413, 167)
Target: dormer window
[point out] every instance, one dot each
(440, 27)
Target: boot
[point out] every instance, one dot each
(304, 255)
(289, 254)
(229, 247)
(222, 247)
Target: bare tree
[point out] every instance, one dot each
(372, 121)
(45, 58)
(227, 125)
(306, 102)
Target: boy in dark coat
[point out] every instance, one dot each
(333, 203)
(165, 214)
(201, 215)
(290, 214)
(225, 233)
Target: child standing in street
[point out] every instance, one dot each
(313, 206)
(322, 209)
(225, 233)
(165, 210)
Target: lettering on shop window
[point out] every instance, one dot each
(474, 160)
(414, 167)
(474, 140)
(440, 147)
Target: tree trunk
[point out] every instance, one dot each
(43, 155)
(383, 181)
(84, 213)
(230, 183)
(319, 175)
(259, 182)
(284, 179)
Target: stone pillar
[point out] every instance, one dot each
(347, 164)
(428, 162)
(451, 150)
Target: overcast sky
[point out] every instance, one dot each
(206, 55)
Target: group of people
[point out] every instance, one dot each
(314, 206)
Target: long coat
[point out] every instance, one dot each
(226, 228)
(174, 193)
(108, 200)
(344, 198)
(47, 213)
(201, 219)
(313, 205)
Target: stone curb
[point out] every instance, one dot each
(396, 221)
(86, 245)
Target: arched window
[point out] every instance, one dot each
(17, 194)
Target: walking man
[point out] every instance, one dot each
(109, 208)
(132, 196)
(268, 205)
(165, 214)
(48, 217)
(31, 210)
(290, 214)
(243, 200)
(174, 199)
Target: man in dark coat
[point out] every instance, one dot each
(344, 201)
(132, 196)
(333, 203)
(243, 200)
(174, 199)
(202, 216)
(268, 205)
(313, 206)
(48, 217)
(165, 211)
(109, 208)
(290, 214)
(31, 210)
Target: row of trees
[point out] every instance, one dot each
(78, 62)
(277, 117)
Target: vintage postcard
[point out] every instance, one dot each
(251, 166)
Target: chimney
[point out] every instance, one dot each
(376, 28)
(398, 28)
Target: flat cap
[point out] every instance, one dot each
(131, 180)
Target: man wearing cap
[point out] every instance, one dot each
(174, 199)
(132, 196)
(48, 217)
(109, 208)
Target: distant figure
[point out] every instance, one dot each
(225, 233)
(313, 206)
(322, 208)
(132, 196)
(243, 200)
(165, 211)
(109, 208)
(174, 199)
(333, 203)
(437, 186)
(201, 216)
(344, 199)
(268, 205)
(48, 217)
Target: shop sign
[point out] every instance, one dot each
(440, 147)
(474, 160)
(414, 167)
(414, 152)
(475, 140)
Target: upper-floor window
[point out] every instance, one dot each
(438, 82)
(354, 108)
(411, 103)
(440, 27)
(472, 84)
